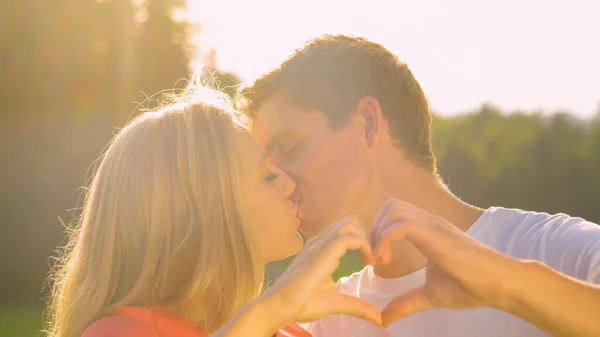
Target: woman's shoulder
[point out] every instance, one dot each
(138, 321)
(293, 330)
(155, 322)
(120, 326)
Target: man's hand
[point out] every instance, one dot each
(462, 273)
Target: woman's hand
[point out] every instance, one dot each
(306, 291)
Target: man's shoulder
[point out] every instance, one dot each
(515, 223)
(560, 240)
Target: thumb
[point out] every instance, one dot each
(353, 306)
(409, 303)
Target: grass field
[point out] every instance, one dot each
(20, 321)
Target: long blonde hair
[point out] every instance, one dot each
(163, 223)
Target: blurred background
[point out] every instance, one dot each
(514, 86)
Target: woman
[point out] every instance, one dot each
(180, 218)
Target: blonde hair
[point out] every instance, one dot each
(163, 223)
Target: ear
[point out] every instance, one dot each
(369, 111)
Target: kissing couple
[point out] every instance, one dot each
(189, 202)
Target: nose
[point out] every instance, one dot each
(286, 184)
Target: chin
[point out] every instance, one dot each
(296, 245)
(311, 231)
(290, 247)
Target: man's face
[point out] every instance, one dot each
(331, 167)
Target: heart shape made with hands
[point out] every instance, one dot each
(461, 273)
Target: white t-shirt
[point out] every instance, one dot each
(569, 245)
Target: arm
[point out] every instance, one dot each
(305, 291)
(556, 303)
(258, 318)
(463, 273)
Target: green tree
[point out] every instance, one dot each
(64, 58)
(161, 50)
(69, 71)
(521, 160)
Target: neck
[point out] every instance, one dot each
(425, 190)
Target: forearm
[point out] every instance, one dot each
(256, 319)
(556, 303)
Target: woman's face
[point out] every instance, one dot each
(272, 213)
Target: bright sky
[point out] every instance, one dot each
(515, 54)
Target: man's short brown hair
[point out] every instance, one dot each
(332, 73)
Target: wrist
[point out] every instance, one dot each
(525, 277)
(270, 310)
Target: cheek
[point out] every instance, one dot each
(267, 209)
(272, 223)
(333, 164)
(258, 206)
(257, 210)
(335, 178)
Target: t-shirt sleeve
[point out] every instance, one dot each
(120, 326)
(593, 260)
(572, 246)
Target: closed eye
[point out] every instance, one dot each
(271, 177)
(287, 149)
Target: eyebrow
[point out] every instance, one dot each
(272, 144)
(276, 140)
(262, 160)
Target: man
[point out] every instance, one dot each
(349, 122)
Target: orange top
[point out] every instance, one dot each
(156, 322)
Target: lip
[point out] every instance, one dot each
(298, 207)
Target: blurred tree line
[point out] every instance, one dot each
(523, 160)
(73, 70)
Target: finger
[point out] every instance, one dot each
(353, 306)
(340, 245)
(394, 211)
(395, 232)
(319, 238)
(353, 242)
(380, 219)
(349, 224)
(352, 226)
(319, 265)
(405, 221)
(324, 238)
(407, 304)
(369, 259)
(434, 238)
(384, 209)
